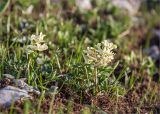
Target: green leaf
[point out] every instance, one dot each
(3, 5)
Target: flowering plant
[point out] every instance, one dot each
(37, 43)
(34, 55)
(101, 55)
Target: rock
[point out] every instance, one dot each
(11, 94)
(18, 91)
(156, 77)
(52, 91)
(153, 52)
(156, 37)
(84, 5)
(21, 84)
(154, 45)
(131, 6)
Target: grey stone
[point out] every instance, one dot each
(21, 84)
(84, 5)
(11, 94)
(153, 51)
(131, 6)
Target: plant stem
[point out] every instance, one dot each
(95, 81)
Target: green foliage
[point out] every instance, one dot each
(3, 5)
(26, 4)
(81, 78)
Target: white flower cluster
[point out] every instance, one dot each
(37, 43)
(101, 55)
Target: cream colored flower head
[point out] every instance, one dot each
(38, 38)
(37, 44)
(101, 55)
